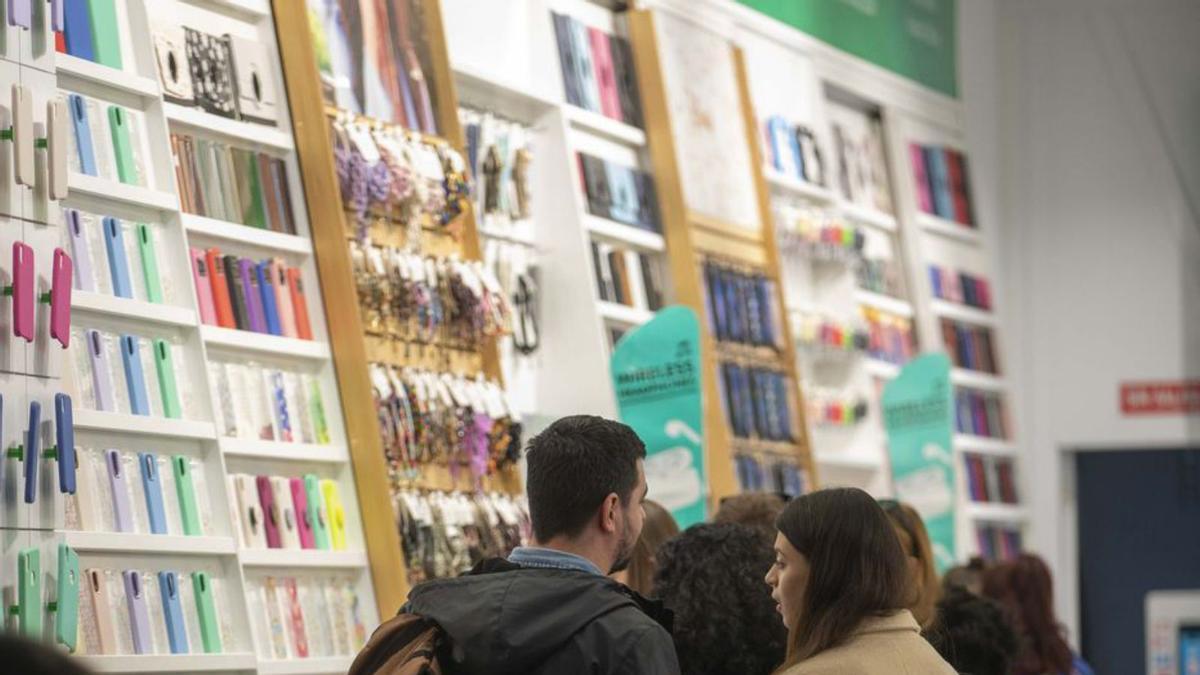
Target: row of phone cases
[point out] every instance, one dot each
(222, 182)
(139, 492)
(298, 617)
(256, 402)
(107, 140)
(165, 612)
(264, 297)
(225, 75)
(127, 374)
(30, 452)
(129, 252)
(23, 292)
(89, 29)
(54, 621)
(291, 513)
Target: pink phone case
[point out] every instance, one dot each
(300, 501)
(204, 294)
(283, 299)
(266, 497)
(60, 298)
(920, 178)
(22, 301)
(606, 79)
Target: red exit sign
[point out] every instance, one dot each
(1180, 397)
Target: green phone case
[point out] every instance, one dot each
(188, 511)
(317, 407)
(106, 38)
(312, 489)
(29, 593)
(166, 379)
(118, 122)
(66, 616)
(210, 632)
(145, 238)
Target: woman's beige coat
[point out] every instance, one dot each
(881, 646)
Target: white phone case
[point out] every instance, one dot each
(255, 81)
(250, 513)
(289, 534)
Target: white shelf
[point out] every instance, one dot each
(245, 234)
(622, 315)
(123, 542)
(598, 124)
(274, 345)
(996, 513)
(612, 231)
(94, 186)
(252, 9)
(291, 558)
(963, 377)
(868, 216)
(144, 425)
(313, 666)
(295, 452)
(526, 240)
(104, 76)
(958, 312)
(99, 303)
(251, 133)
(170, 663)
(850, 462)
(881, 369)
(477, 90)
(949, 229)
(884, 302)
(980, 445)
(796, 187)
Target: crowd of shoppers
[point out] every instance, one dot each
(831, 582)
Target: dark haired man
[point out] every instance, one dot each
(551, 608)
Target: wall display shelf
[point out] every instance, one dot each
(171, 663)
(99, 303)
(335, 665)
(116, 542)
(262, 239)
(951, 310)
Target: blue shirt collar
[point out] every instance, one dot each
(548, 558)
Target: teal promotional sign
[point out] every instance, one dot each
(656, 370)
(917, 39)
(917, 415)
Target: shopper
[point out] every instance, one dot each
(756, 510)
(968, 577)
(1024, 588)
(840, 580)
(924, 591)
(711, 578)
(549, 608)
(972, 634)
(659, 527)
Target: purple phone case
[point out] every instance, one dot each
(81, 252)
(20, 13)
(139, 612)
(254, 306)
(101, 372)
(122, 509)
(266, 497)
(60, 298)
(22, 300)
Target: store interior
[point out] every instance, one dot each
(294, 281)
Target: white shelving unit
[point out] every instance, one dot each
(311, 666)
(171, 663)
(160, 544)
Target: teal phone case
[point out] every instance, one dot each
(29, 593)
(145, 239)
(165, 368)
(66, 616)
(210, 633)
(188, 512)
(118, 122)
(106, 37)
(320, 528)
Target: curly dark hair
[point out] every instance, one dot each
(711, 576)
(972, 634)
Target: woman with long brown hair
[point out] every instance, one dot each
(1025, 589)
(924, 591)
(840, 581)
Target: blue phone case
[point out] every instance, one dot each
(139, 402)
(33, 451)
(83, 133)
(267, 289)
(64, 437)
(152, 486)
(168, 585)
(118, 263)
(78, 30)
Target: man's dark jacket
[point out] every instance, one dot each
(502, 619)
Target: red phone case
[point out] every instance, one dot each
(299, 304)
(266, 497)
(220, 288)
(300, 501)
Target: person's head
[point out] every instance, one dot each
(972, 634)
(711, 578)
(659, 526)
(837, 562)
(1023, 587)
(586, 484)
(923, 588)
(968, 577)
(756, 510)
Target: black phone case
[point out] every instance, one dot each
(211, 62)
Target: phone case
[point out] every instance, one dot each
(303, 516)
(33, 451)
(296, 618)
(273, 380)
(139, 612)
(61, 273)
(118, 123)
(118, 491)
(118, 263)
(22, 290)
(174, 74)
(266, 288)
(57, 144)
(106, 37)
(254, 307)
(237, 293)
(209, 58)
(337, 514)
(78, 109)
(149, 256)
(168, 586)
(81, 253)
(318, 517)
(135, 380)
(206, 609)
(189, 511)
(220, 289)
(299, 304)
(101, 372)
(66, 596)
(250, 512)
(283, 299)
(22, 130)
(64, 438)
(77, 30)
(101, 609)
(29, 593)
(152, 486)
(610, 102)
(165, 367)
(255, 81)
(289, 532)
(271, 515)
(204, 290)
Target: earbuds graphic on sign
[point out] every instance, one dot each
(673, 479)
